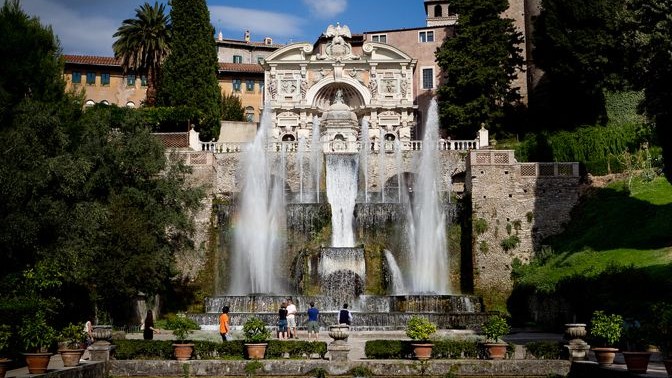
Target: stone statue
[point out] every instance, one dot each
(373, 85)
(338, 98)
(272, 89)
(338, 48)
(304, 87)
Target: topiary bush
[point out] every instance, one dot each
(420, 329)
(495, 327)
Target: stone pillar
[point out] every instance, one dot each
(577, 348)
(483, 137)
(339, 348)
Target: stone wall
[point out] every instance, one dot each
(529, 200)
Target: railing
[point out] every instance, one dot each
(344, 146)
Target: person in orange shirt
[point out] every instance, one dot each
(224, 322)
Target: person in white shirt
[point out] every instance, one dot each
(291, 319)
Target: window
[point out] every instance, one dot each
(143, 80)
(426, 36)
(130, 80)
(382, 38)
(438, 12)
(89, 103)
(236, 85)
(249, 85)
(91, 78)
(260, 59)
(105, 79)
(261, 87)
(76, 77)
(249, 114)
(237, 59)
(427, 78)
(130, 104)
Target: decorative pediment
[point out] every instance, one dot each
(294, 52)
(380, 51)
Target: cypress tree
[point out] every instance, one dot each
(189, 77)
(479, 64)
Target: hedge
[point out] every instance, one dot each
(204, 350)
(443, 349)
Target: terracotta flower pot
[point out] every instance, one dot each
(496, 351)
(668, 366)
(422, 351)
(4, 366)
(183, 352)
(605, 356)
(37, 362)
(71, 357)
(256, 351)
(637, 362)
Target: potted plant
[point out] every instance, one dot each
(421, 329)
(636, 355)
(494, 328)
(256, 337)
(72, 343)
(182, 326)
(37, 336)
(5, 336)
(661, 332)
(606, 329)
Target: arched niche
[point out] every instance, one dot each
(321, 95)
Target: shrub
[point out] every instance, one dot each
(661, 333)
(545, 350)
(181, 326)
(295, 348)
(510, 243)
(73, 336)
(480, 226)
(420, 329)
(252, 367)
(143, 350)
(495, 327)
(36, 334)
(5, 336)
(402, 349)
(255, 330)
(606, 327)
(361, 371)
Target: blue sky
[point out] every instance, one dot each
(86, 26)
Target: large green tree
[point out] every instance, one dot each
(92, 211)
(578, 45)
(143, 43)
(232, 108)
(26, 49)
(648, 42)
(189, 77)
(479, 65)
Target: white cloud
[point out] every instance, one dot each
(326, 8)
(260, 23)
(80, 31)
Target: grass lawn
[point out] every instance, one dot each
(612, 228)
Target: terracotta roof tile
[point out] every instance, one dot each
(241, 67)
(92, 60)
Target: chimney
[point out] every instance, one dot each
(247, 36)
(268, 41)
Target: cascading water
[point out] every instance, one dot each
(257, 240)
(397, 161)
(316, 157)
(427, 222)
(397, 279)
(299, 163)
(364, 151)
(342, 194)
(381, 165)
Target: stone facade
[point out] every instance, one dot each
(529, 200)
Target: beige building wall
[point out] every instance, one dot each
(116, 92)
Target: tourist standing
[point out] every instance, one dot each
(88, 331)
(313, 322)
(291, 319)
(282, 322)
(224, 323)
(147, 327)
(345, 316)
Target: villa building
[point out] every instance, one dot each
(244, 69)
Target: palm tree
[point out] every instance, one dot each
(143, 43)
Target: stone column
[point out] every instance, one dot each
(339, 348)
